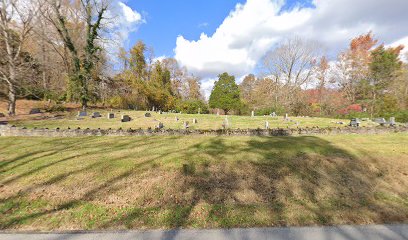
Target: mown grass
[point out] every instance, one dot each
(204, 121)
(202, 182)
(198, 181)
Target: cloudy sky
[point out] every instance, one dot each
(212, 36)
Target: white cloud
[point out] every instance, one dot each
(130, 15)
(255, 27)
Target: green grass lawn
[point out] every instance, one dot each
(204, 121)
(202, 182)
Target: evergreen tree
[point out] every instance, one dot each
(225, 94)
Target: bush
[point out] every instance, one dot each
(193, 106)
(55, 108)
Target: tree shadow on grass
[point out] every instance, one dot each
(290, 181)
(260, 181)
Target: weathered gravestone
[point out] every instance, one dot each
(176, 119)
(160, 125)
(125, 118)
(147, 114)
(273, 114)
(355, 122)
(286, 117)
(194, 120)
(186, 126)
(252, 114)
(34, 111)
(111, 115)
(96, 115)
(380, 121)
(82, 114)
(392, 121)
(160, 112)
(266, 125)
(225, 124)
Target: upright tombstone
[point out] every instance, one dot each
(34, 111)
(392, 121)
(176, 118)
(82, 113)
(147, 114)
(96, 115)
(286, 116)
(160, 112)
(355, 122)
(125, 118)
(186, 126)
(266, 125)
(380, 121)
(153, 109)
(194, 120)
(252, 114)
(160, 125)
(273, 114)
(111, 115)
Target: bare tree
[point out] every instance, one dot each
(16, 17)
(93, 13)
(291, 65)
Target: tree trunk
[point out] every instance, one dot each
(11, 100)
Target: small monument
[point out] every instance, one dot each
(125, 118)
(266, 125)
(194, 120)
(111, 115)
(252, 114)
(82, 114)
(160, 125)
(186, 125)
(147, 114)
(392, 121)
(96, 115)
(34, 111)
(355, 122)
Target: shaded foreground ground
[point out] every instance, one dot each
(205, 182)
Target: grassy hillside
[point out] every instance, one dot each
(167, 182)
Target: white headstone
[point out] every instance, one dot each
(266, 124)
(252, 114)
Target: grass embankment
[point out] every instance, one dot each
(168, 182)
(204, 121)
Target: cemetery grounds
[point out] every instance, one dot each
(199, 181)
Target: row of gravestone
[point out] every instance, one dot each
(124, 118)
(355, 122)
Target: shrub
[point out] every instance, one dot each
(192, 106)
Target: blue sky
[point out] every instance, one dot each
(210, 37)
(166, 20)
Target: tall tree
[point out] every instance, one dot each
(16, 19)
(385, 67)
(225, 94)
(93, 13)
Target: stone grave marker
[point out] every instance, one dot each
(186, 126)
(194, 120)
(266, 125)
(160, 112)
(380, 121)
(82, 113)
(160, 125)
(252, 114)
(392, 121)
(147, 114)
(111, 115)
(96, 115)
(176, 119)
(355, 122)
(286, 116)
(34, 111)
(125, 118)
